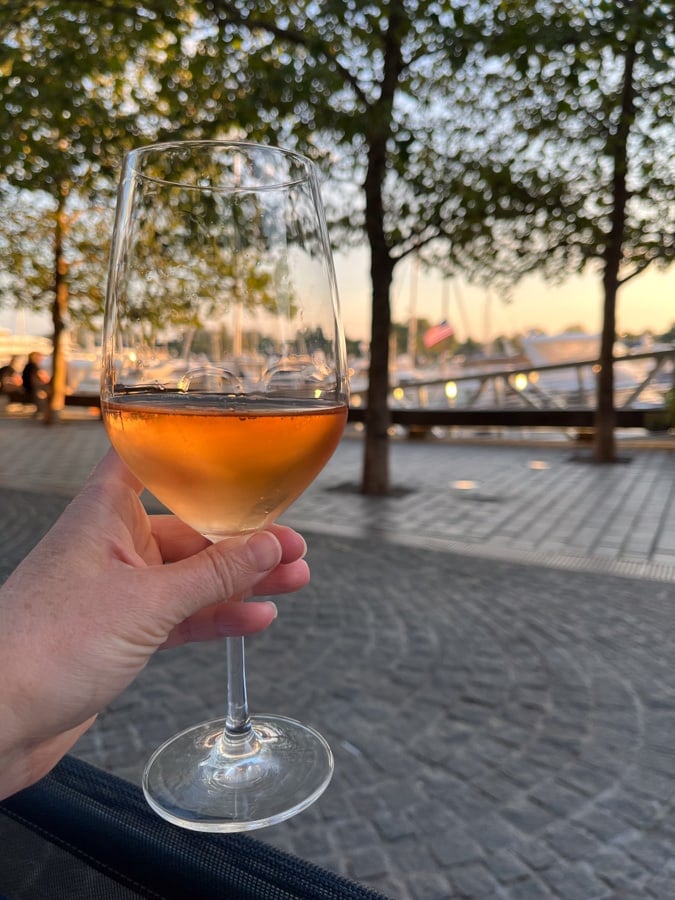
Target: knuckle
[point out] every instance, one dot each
(228, 570)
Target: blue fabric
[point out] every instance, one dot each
(91, 819)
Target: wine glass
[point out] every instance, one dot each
(224, 389)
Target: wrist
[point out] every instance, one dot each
(25, 762)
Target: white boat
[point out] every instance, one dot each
(556, 372)
(21, 345)
(571, 347)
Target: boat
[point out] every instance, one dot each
(548, 372)
(21, 345)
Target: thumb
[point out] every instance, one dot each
(223, 571)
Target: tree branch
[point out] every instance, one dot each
(639, 268)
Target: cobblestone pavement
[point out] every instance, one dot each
(492, 666)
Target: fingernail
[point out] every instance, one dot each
(265, 549)
(273, 607)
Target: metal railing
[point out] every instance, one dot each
(517, 394)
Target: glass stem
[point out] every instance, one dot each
(237, 721)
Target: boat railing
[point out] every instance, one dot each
(519, 394)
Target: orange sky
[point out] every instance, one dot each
(646, 303)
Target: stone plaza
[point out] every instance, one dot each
(490, 652)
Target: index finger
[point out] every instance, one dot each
(176, 540)
(111, 468)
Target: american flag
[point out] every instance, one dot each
(436, 334)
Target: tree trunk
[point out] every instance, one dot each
(604, 450)
(376, 452)
(376, 460)
(57, 388)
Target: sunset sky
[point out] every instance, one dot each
(646, 303)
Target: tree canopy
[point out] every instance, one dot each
(583, 124)
(491, 139)
(71, 101)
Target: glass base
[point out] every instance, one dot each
(206, 779)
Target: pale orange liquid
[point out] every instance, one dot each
(223, 469)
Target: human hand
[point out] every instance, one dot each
(106, 588)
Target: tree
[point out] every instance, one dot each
(362, 88)
(499, 139)
(81, 83)
(26, 277)
(574, 109)
(69, 108)
(26, 247)
(353, 85)
(477, 136)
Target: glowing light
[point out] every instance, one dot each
(399, 393)
(464, 484)
(520, 381)
(356, 400)
(538, 464)
(451, 390)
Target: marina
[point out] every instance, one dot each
(551, 385)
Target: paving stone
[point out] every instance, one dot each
(474, 881)
(652, 854)
(571, 843)
(500, 697)
(529, 889)
(637, 811)
(454, 848)
(368, 863)
(557, 797)
(620, 871)
(536, 854)
(527, 816)
(392, 826)
(506, 867)
(659, 888)
(604, 826)
(429, 886)
(492, 832)
(575, 882)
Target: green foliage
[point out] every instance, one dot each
(495, 121)
(572, 124)
(27, 252)
(26, 237)
(71, 95)
(70, 107)
(495, 139)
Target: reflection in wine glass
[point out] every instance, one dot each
(224, 389)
